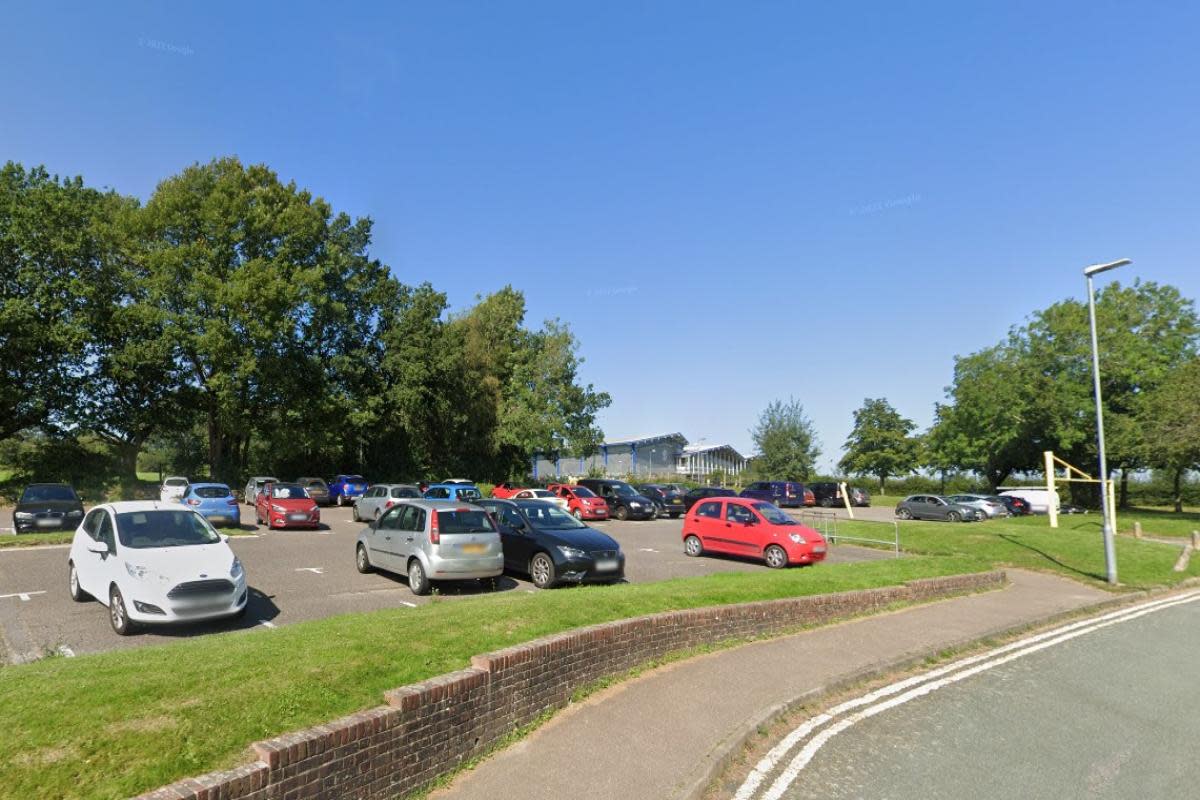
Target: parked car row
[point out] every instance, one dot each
(962, 507)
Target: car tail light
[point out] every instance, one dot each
(232, 501)
(193, 502)
(389, 504)
(434, 536)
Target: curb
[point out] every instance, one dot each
(722, 755)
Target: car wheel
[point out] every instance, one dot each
(340, 500)
(541, 571)
(77, 594)
(417, 581)
(776, 557)
(354, 513)
(903, 513)
(622, 513)
(117, 615)
(954, 516)
(692, 546)
(362, 560)
(577, 513)
(826, 503)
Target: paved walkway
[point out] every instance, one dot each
(660, 735)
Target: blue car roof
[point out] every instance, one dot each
(451, 486)
(207, 485)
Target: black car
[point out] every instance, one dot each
(551, 546)
(1017, 506)
(828, 494)
(47, 507)
(623, 500)
(700, 492)
(317, 489)
(667, 499)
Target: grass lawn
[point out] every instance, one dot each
(31, 539)
(1074, 549)
(1155, 521)
(118, 723)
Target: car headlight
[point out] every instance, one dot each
(277, 509)
(23, 515)
(635, 505)
(571, 552)
(137, 571)
(797, 538)
(236, 571)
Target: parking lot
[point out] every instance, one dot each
(295, 576)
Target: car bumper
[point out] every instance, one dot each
(594, 513)
(218, 518)
(807, 553)
(453, 569)
(585, 570)
(641, 513)
(47, 525)
(145, 607)
(285, 520)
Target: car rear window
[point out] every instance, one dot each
(467, 520)
(405, 491)
(143, 529)
(175, 482)
(211, 492)
(469, 494)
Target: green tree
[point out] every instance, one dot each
(786, 441)
(881, 443)
(1170, 424)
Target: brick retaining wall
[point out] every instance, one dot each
(428, 728)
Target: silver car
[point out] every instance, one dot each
(254, 486)
(981, 502)
(380, 497)
(931, 506)
(431, 540)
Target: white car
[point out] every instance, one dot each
(173, 489)
(982, 502)
(543, 494)
(153, 562)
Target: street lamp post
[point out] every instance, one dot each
(1110, 553)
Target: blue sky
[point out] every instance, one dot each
(728, 202)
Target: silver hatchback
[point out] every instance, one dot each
(380, 497)
(431, 540)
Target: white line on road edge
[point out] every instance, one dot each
(406, 603)
(1014, 651)
(266, 623)
(313, 570)
(23, 595)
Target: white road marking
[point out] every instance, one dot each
(647, 549)
(23, 595)
(266, 623)
(924, 685)
(313, 570)
(406, 603)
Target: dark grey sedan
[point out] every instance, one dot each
(931, 506)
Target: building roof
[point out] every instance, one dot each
(646, 439)
(706, 448)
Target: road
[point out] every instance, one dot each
(294, 576)
(1106, 711)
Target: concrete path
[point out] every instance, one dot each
(662, 735)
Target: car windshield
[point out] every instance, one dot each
(289, 492)
(355, 479)
(774, 515)
(145, 529)
(583, 491)
(624, 490)
(543, 515)
(211, 492)
(42, 494)
(464, 520)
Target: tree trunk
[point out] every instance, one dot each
(943, 489)
(883, 483)
(1178, 490)
(127, 453)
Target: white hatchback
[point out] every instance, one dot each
(173, 488)
(154, 562)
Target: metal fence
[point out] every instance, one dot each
(826, 524)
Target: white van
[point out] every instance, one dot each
(1039, 499)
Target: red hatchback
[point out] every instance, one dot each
(505, 491)
(581, 501)
(286, 505)
(741, 526)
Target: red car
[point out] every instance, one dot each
(581, 501)
(505, 491)
(742, 526)
(286, 505)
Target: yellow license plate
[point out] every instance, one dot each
(474, 548)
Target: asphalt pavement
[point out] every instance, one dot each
(298, 575)
(1108, 713)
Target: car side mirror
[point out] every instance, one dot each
(97, 547)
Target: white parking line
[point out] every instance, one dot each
(23, 595)
(648, 550)
(406, 603)
(313, 570)
(266, 623)
(924, 684)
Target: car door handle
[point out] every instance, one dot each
(409, 539)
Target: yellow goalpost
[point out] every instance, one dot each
(1075, 475)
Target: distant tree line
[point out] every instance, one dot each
(237, 324)
(1032, 392)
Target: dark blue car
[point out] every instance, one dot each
(343, 489)
(785, 494)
